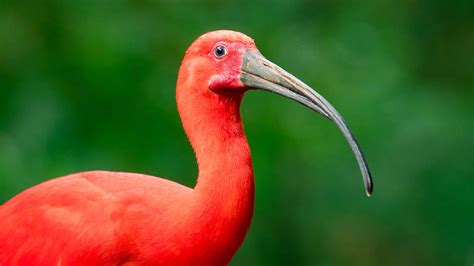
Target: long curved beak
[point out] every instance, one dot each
(259, 73)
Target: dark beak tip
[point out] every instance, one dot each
(369, 192)
(369, 188)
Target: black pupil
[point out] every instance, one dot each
(219, 51)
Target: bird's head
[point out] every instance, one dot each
(227, 63)
(215, 59)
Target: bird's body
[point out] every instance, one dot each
(82, 219)
(110, 218)
(85, 218)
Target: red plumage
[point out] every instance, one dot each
(109, 218)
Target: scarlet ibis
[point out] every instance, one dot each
(112, 218)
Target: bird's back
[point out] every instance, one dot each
(82, 218)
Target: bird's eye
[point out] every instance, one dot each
(220, 51)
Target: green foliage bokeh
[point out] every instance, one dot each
(89, 85)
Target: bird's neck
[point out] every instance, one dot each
(213, 125)
(225, 183)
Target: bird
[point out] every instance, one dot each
(117, 218)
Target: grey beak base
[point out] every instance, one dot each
(260, 73)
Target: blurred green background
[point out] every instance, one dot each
(90, 85)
